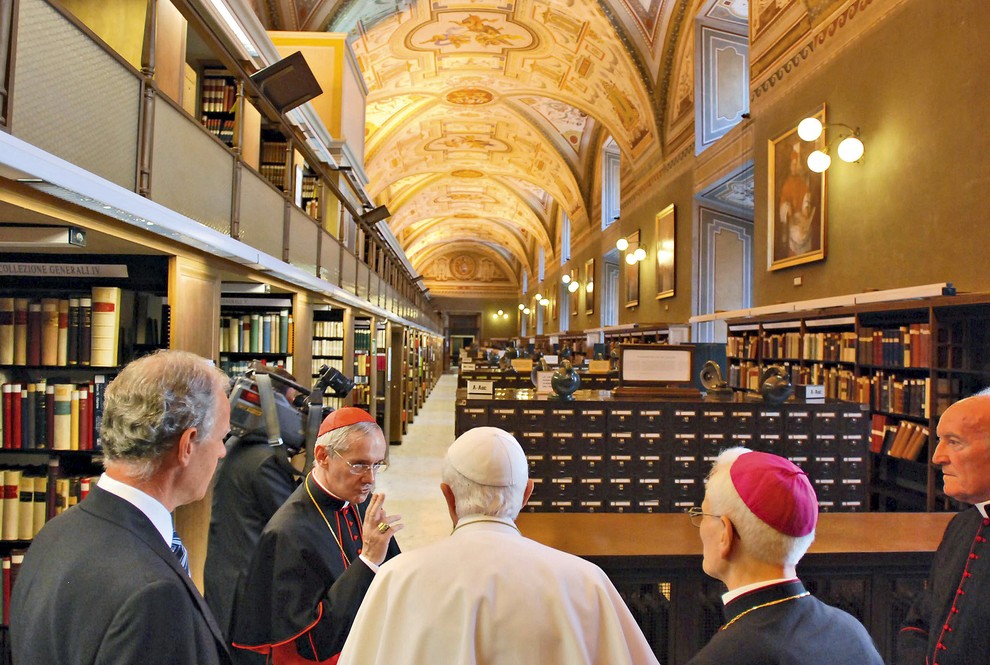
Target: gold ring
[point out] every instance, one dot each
(383, 527)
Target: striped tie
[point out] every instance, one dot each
(179, 550)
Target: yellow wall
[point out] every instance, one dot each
(120, 23)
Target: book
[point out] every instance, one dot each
(99, 387)
(34, 333)
(62, 357)
(20, 330)
(5, 563)
(62, 434)
(39, 505)
(29, 416)
(8, 405)
(85, 422)
(15, 416)
(74, 419)
(85, 330)
(72, 333)
(49, 332)
(6, 331)
(283, 331)
(25, 508)
(105, 326)
(11, 487)
(50, 416)
(916, 444)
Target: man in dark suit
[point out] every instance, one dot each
(105, 582)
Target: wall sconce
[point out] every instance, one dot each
(544, 301)
(538, 297)
(622, 244)
(850, 148)
(526, 310)
(573, 286)
(589, 287)
(566, 278)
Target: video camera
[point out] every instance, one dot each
(257, 407)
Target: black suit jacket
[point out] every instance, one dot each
(99, 585)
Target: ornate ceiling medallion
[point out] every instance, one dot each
(469, 97)
(467, 173)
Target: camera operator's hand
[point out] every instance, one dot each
(378, 529)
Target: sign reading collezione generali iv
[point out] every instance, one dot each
(66, 270)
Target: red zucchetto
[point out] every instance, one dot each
(342, 417)
(777, 491)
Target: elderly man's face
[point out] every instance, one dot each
(963, 449)
(339, 479)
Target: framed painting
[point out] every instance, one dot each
(589, 287)
(632, 272)
(665, 240)
(574, 294)
(796, 224)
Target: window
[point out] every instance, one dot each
(541, 265)
(721, 71)
(525, 282)
(565, 306)
(610, 183)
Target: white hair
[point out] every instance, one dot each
(762, 541)
(342, 438)
(472, 498)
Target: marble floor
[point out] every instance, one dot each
(412, 482)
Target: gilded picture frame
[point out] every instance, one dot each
(588, 286)
(632, 272)
(666, 238)
(796, 227)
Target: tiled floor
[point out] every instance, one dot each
(412, 482)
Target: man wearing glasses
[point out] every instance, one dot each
(756, 522)
(320, 551)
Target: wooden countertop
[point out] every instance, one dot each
(671, 534)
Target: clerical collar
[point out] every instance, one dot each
(481, 519)
(322, 487)
(147, 504)
(982, 507)
(729, 596)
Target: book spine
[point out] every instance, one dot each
(11, 487)
(6, 331)
(25, 508)
(62, 355)
(29, 417)
(40, 414)
(85, 330)
(20, 330)
(62, 439)
(266, 333)
(50, 416)
(99, 388)
(105, 325)
(254, 339)
(85, 424)
(72, 334)
(19, 413)
(283, 331)
(34, 334)
(8, 416)
(40, 505)
(74, 420)
(49, 332)
(6, 590)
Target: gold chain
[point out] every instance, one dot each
(772, 602)
(336, 538)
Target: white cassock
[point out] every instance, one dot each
(490, 596)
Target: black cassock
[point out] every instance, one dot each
(303, 589)
(252, 482)
(949, 622)
(789, 629)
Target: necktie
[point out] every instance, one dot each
(179, 550)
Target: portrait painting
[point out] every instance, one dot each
(632, 271)
(796, 225)
(665, 228)
(589, 287)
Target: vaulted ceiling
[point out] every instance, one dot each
(486, 118)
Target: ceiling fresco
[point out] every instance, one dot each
(486, 118)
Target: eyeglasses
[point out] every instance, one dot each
(696, 515)
(361, 469)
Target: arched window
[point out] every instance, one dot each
(565, 238)
(610, 182)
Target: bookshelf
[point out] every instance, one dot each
(328, 344)
(218, 103)
(255, 327)
(273, 157)
(907, 360)
(380, 360)
(363, 360)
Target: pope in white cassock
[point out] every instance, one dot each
(487, 594)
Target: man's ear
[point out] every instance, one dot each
(448, 495)
(727, 539)
(529, 491)
(184, 448)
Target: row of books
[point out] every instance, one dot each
(328, 329)
(79, 330)
(273, 173)
(219, 94)
(9, 565)
(233, 368)
(742, 346)
(257, 333)
(905, 440)
(273, 152)
(362, 339)
(56, 416)
(904, 346)
(896, 394)
(328, 347)
(222, 128)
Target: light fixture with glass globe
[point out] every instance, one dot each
(631, 258)
(565, 278)
(819, 161)
(544, 301)
(850, 148)
(640, 254)
(622, 244)
(573, 286)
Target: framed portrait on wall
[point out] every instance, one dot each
(573, 294)
(589, 287)
(632, 271)
(665, 246)
(796, 224)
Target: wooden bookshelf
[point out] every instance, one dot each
(218, 91)
(255, 327)
(907, 360)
